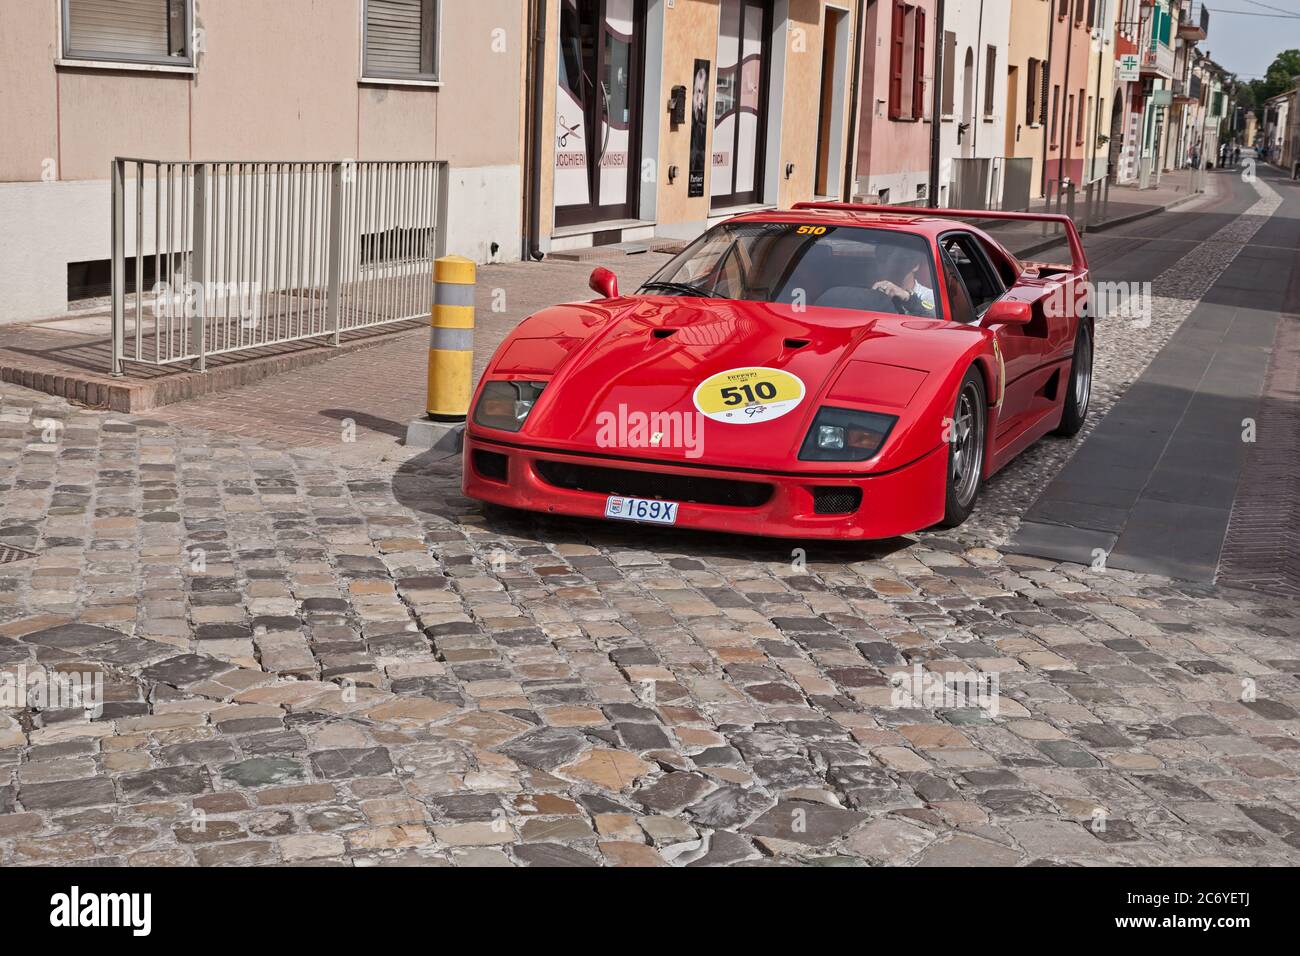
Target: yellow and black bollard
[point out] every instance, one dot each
(451, 339)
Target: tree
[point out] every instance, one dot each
(1280, 76)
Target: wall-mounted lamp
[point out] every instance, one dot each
(789, 170)
(672, 175)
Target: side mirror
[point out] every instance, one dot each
(604, 283)
(1009, 312)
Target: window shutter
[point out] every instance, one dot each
(1031, 93)
(918, 72)
(1063, 9)
(1092, 13)
(896, 62)
(394, 34)
(990, 78)
(1042, 98)
(122, 29)
(949, 70)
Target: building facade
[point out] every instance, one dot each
(1027, 86)
(1100, 88)
(973, 115)
(83, 81)
(657, 117)
(1070, 37)
(892, 163)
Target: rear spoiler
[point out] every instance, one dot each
(1071, 233)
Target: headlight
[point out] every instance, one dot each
(841, 434)
(505, 405)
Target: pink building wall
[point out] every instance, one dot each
(891, 154)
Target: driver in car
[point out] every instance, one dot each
(900, 267)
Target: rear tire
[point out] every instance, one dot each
(1078, 391)
(966, 450)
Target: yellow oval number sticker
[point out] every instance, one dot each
(746, 396)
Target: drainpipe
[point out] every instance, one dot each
(1047, 74)
(537, 56)
(1096, 96)
(936, 107)
(978, 107)
(855, 121)
(1065, 97)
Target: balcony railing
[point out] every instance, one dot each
(1159, 61)
(1194, 21)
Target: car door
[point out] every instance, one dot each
(1021, 351)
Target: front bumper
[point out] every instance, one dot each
(893, 503)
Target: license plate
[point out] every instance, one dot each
(641, 509)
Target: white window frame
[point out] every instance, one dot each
(90, 58)
(378, 79)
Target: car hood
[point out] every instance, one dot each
(626, 370)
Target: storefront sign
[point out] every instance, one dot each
(1129, 65)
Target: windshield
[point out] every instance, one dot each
(836, 267)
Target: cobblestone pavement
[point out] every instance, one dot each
(318, 654)
(307, 659)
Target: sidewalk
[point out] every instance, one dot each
(1127, 204)
(70, 356)
(382, 389)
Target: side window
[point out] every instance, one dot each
(1006, 270)
(982, 283)
(958, 298)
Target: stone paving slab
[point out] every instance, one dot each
(307, 658)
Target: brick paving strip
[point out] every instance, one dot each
(307, 657)
(1262, 546)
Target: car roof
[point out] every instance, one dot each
(914, 222)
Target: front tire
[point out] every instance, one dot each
(966, 443)
(1078, 393)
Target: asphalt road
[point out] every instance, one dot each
(1177, 464)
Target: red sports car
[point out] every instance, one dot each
(830, 371)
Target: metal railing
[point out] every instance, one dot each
(1096, 201)
(1066, 193)
(222, 257)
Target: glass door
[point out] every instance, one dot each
(597, 111)
(740, 101)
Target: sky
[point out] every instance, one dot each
(1246, 44)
